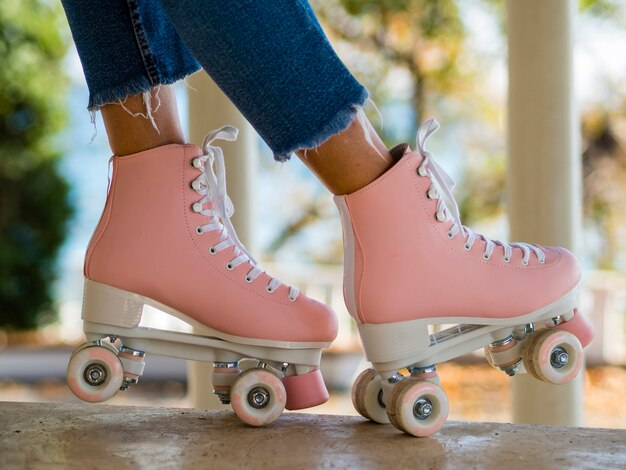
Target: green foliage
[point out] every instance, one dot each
(34, 207)
(426, 37)
(605, 8)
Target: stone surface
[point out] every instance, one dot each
(47, 435)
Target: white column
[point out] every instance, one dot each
(544, 170)
(209, 109)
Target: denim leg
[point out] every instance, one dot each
(276, 65)
(126, 47)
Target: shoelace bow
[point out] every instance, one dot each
(447, 207)
(211, 184)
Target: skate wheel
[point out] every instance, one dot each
(554, 356)
(94, 374)
(367, 395)
(417, 407)
(258, 397)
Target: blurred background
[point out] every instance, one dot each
(419, 59)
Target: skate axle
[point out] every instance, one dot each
(422, 408)
(95, 374)
(259, 397)
(559, 357)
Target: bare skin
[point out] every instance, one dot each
(344, 163)
(131, 134)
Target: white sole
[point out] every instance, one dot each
(111, 311)
(392, 346)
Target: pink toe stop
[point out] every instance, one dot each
(580, 327)
(305, 391)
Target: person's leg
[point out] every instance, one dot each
(122, 80)
(275, 63)
(131, 130)
(129, 52)
(350, 160)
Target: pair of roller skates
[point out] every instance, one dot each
(165, 240)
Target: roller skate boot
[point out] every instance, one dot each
(411, 267)
(165, 240)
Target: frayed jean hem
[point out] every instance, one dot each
(132, 87)
(337, 124)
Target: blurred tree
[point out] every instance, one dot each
(34, 207)
(425, 37)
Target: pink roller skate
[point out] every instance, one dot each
(165, 240)
(411, 264)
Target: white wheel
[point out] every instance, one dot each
(258, 397)
(367, 395)
(417, 407)
(554, 356)
(94, 373)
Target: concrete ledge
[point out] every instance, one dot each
(47, 435)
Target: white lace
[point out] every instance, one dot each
(443, 185)
(212, 186)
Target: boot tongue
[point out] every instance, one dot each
(398, 151)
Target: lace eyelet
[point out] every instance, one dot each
(199, 230)
(506, 260)
(195, 185)
(525, 263)
(196, 207)
(196, 163)
(486, 256)
(440, 217)
(248, 279)
(450, 235)
(467, 247)
(291, 299)
(212, 250)
(269, 290)
(542, 261)
(421, 171)
(229, 266)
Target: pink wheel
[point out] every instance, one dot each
(258, 397)
(417, 407)
(95, 373)
(555, 356)
(367, 397)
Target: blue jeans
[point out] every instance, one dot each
(270, 57)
